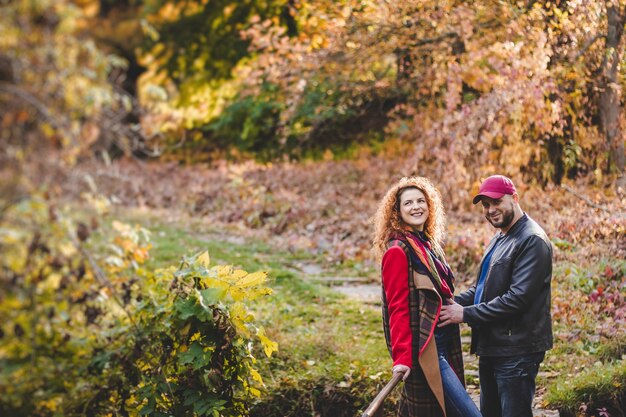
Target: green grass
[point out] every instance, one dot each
(603, 385)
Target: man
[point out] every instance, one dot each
(508, 308)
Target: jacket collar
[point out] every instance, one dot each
(518, 224)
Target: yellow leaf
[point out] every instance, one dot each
(52, 282)
(67, 249)
(223, 270)
(238, 273)
(239, 310)
(204, 259)
(268, 346)
(99, 203)
(250, 280)
(215, 283)
(119, 226)
(252, 294)
(256, 375)
(237, 293)
(141, 254)
(239, 316)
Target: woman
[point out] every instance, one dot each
(416, 281)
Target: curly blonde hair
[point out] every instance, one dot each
(387, 220)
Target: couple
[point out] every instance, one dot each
(508, 307)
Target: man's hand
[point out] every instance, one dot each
(450, 314)
(401, 369)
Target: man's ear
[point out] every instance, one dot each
(516, 198)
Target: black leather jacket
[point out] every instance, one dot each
(513, 316)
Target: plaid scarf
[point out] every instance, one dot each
(434, 261)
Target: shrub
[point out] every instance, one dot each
(90, 334)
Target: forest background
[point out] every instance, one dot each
(230, 136)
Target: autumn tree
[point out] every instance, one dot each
(522, 87)
(488, 86)
(196, 62)
(610, 86)
(60, 85)
(473, 79)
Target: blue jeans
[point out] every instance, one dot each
(458, 401)
(507, 384)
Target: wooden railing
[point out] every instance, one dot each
(374, 407)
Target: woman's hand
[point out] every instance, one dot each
(401, 369)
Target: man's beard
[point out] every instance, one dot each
(507, 219)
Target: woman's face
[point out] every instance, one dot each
(413, 208)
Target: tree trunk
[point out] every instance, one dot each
(610, 94)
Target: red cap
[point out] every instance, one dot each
(495, 187)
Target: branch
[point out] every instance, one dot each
(489, 24)
(30, 99)
(37, 104)
(436, 39)
(14, 200)
(588, 44)
(101, 276)
(585, 199)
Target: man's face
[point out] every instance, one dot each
(499, 212)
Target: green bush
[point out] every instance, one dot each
(250, 124)
(326, 118)
(100, 334)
